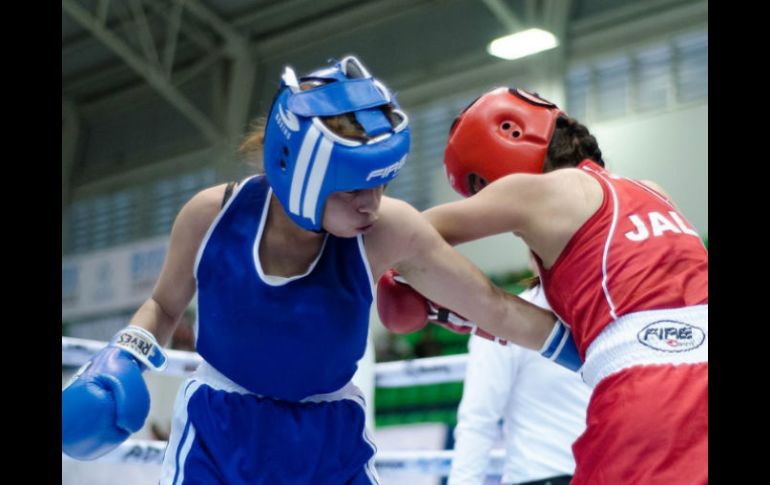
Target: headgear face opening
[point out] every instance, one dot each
(305, 161)
(505, 131)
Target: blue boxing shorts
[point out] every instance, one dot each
(224, 434)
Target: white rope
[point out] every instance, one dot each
(431, 370)
(423, 462)
(76, 352)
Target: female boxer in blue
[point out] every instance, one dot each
(284, 269)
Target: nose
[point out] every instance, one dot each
(368, 200)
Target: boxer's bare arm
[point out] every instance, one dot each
(175, 287)
(404, 239)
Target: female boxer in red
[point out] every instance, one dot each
(619, 265)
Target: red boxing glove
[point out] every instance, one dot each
(401, 308)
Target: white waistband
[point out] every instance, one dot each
(209, 375)
(669, 336)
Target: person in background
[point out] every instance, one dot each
(541, 407)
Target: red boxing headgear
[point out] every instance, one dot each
(505, 131)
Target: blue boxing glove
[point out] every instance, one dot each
(107, 399)
(560, 347)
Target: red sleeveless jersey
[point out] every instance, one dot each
(636, 252)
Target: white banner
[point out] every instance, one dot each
(119, 278)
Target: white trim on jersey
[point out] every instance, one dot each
(184, 452)
(369, 468)
(176, 453)
(611, 233)
(213, 225)
(651, 191)
(317, 175)
(205, 241)
(300, 169)
(365, 259)
(273, 280)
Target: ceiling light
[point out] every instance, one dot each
(522, 44)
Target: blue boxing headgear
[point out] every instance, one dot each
(305, 160)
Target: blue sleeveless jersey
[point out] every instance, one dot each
(289, 339)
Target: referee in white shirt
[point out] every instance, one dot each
(542, 407)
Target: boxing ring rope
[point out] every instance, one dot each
(425, 462)
(430, 370)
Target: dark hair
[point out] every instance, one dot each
(571, 143)
(253, 144)
(532, 281)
